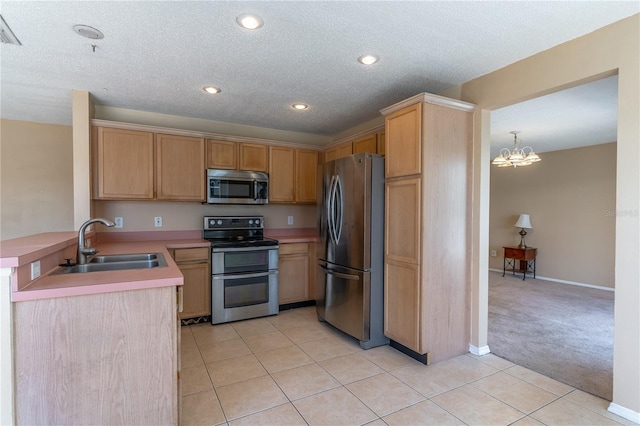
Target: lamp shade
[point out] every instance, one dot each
(523, 222)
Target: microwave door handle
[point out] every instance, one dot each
(255, 189)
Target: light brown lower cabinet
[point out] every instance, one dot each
(296, 282)
(109, 358)
(196, 293)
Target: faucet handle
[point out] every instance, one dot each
(89, 250)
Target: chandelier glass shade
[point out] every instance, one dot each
(516, 156)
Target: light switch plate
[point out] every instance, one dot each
(158, 221)
(290, 220)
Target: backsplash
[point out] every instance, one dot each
(177, 216)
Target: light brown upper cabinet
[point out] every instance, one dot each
(345, 149)
(427, 237)
(292, 175)
(180, 168)
(125, 162)
(281, 174)
(306, 176)
(338, 151)
(139, 165)
(253, 157)
(237, 156)
(405, 158)
(330, 154)
(372, 143)
(222, 154)
(365, 144)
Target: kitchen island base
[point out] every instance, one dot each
(108, 358)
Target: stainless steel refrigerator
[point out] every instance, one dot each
(350, 286)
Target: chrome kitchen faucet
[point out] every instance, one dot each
(83, 251)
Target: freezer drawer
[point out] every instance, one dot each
(343, 299)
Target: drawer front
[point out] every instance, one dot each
(294, 248)
(520, 254)
(191, 254)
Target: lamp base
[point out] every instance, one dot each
(522, 244)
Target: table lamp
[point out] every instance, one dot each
(524, 222)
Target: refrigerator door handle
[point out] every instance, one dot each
(340, 203)
(331, 209)
(340, 274)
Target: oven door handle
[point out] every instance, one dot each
(236, 276)
(340, 274)
(236, 249)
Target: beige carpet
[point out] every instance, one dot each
(559, 330)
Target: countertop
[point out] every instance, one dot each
(292, 235)
(52, 248)
(49, 248)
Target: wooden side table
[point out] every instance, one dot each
(526, 258)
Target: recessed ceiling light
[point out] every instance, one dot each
(211, 89)
(88, 32)
(250, 22)
(368, 59)
(300, 106)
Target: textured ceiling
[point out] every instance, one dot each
(581, 116)
(157, 56)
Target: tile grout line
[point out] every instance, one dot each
(213, 388)
(472, 383)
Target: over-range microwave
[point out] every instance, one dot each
(237, 187)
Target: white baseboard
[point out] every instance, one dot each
(555, 280)
(626, 413)
(479, 351)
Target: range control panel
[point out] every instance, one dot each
(233, 222)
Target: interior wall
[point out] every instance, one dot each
(179, 216)
(602, 53)
(570, 196)
(36, 174)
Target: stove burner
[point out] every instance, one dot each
(236, 231)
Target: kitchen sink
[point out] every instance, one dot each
(109, 258)
(116, 262)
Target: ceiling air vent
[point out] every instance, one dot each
(6, 35)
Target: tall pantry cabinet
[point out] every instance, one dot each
(427, 170)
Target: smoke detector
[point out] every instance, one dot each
(88, 32)
(6, 35)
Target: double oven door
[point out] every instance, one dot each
(244, 283)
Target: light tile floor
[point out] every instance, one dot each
(291, 369)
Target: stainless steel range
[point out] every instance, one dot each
(244, 268)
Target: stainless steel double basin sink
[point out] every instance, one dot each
(116, 262)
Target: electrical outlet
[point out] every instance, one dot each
(119, 222)
(158, 221)
(35, 269)
(494, 253)
(290, 220)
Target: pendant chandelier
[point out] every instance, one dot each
(516, 156)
